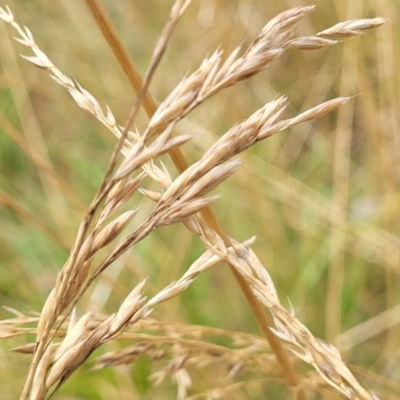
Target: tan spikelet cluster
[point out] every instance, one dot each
(178, 200)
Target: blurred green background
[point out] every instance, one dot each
(322, 198)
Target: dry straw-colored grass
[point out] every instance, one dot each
(64, 342)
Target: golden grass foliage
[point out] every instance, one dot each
(115, 258)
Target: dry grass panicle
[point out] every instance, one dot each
(116, 225)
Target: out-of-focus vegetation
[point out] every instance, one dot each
(323, 198)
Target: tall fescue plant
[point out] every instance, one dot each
(75, 322)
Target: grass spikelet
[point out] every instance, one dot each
(108, 282)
